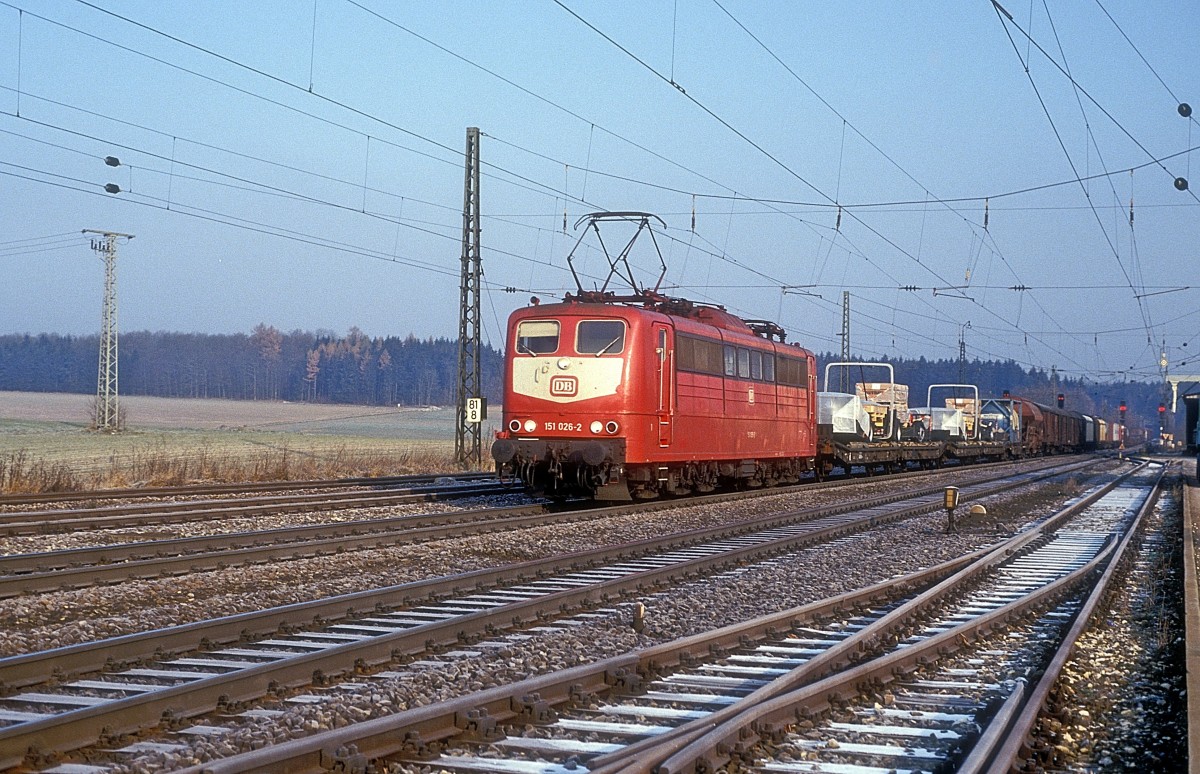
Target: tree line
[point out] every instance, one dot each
(323, 367)
(266, 364)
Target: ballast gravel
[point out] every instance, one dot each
(1122, 701)
(45, 621)
(65, 541)
(802, 577)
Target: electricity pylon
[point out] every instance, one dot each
(107, 400)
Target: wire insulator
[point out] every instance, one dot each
(985, 214)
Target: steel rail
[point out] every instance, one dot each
(726, 729)
(201, 490)
(13, 564)
(414, 733)
(80, 727)
(1018, 743)
(743, 728)
(27, 669)
(39, 522)
(156, 514)
(82, 567)
(77, 728)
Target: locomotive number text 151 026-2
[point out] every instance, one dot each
(565, 427)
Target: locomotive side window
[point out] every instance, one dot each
(743, 363)
(698, 355)
(756, 365)
(685, 353)
(600, 337)
(708, 357)
(730, 360)
(793, 372)
(537, 337)
(768, 367)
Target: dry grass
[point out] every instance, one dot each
(45, 447)
(155, 466)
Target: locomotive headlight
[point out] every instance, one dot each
(597, 426)
(612, 427)
(515, 425)
(564, 363)
(530, 425)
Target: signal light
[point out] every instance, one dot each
(1162, 408)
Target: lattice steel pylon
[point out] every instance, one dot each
(108, 409)
(467, 447)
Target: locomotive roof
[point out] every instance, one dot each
(703, 314)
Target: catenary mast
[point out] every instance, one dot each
(469, 423)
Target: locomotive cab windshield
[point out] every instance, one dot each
(600, 337)
(537, 337)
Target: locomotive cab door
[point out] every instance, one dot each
(664, 353)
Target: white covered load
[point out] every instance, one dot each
(941, 423)
(846, 414)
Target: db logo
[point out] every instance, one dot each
(564, 386)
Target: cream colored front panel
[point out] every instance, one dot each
(567, 379)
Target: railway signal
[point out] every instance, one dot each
(1121, 429)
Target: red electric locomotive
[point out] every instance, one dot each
(642, 395)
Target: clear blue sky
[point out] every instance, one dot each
(310, 175)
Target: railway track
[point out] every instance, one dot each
(82, 567)
(57, 710)
(212, 490)
(907, 675)
(157, 514)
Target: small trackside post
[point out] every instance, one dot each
(950, 502)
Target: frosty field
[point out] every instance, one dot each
(169, 440)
